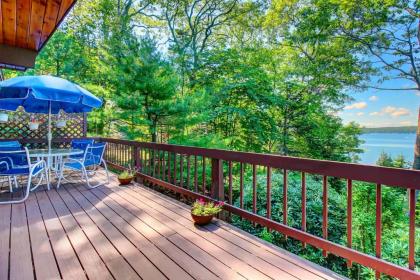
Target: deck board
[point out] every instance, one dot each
(131, 232)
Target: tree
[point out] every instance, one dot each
(388, 34)
(191, 25)
(145, 91)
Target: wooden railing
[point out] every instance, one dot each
(207, 173)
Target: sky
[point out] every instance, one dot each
(380, 108)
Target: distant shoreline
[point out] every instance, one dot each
(399, 129)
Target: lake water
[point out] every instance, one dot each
(391, 143)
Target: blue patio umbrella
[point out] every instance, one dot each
(46, 95)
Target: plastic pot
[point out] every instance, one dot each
(201, 220)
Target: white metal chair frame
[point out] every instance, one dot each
(33, 172)
(86, 170)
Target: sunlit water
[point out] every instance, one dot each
(391, 143)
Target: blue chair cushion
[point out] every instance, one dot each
(14, 155)
(19, 171)
(74, 165)
(14, 144)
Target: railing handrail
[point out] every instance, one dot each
(397, 177)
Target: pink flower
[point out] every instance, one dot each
(201, 201)
(220, 203)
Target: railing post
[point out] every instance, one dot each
(137, 162)
(217, 187)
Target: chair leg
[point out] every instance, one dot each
(28, 187)
(47, 178)
(85, 174)
(106, 170)
(10, 184)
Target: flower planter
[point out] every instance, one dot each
(201, 220)
(4, 118)
(33, 126)
(61, 124)
(125, 181)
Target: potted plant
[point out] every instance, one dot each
(4, 117)
(34, 123)
(61, 121)
(202, 212)
(126, 177)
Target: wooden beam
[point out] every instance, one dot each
(13, 56)
(50, 19)
(9, 21)
(23, 16)
(1, 24)
(35, 26)
(65, 7)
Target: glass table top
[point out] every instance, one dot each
(54, 152)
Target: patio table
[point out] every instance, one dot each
(54, 159)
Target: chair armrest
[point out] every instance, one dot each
(38, 164)
(6, 163)
(8, 160)
(74, 160)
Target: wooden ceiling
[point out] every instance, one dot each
(25, 27)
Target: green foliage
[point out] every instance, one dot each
(202, 208)
(125, 174)
(314, 213)
(398, 162)
(252, 76)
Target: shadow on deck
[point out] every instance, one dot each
(131, 232)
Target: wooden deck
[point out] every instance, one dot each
(131, 233)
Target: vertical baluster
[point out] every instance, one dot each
(254, 188)
(158, 163)
(121, 155)
(142, 160)
(204, 175)
(268, 192)
(349, 217)
(304, 203)
(195, 174)
(412, 229)
(325, 211)
(285, 185)
(188, 171)
(169, 167)
(125, 152)
(378, 225)
(230, 183)
(118, 154)
(154, 162)
(181, 170)
(163, 165)
(241, 186)
(146, 161)
(150, 162)
(175, 171)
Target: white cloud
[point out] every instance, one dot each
(360, 113)
(358, 105)
(373, 98)
(392, 111)
(407, 123)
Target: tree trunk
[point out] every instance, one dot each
(416, 163)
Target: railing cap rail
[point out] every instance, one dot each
(405, 178)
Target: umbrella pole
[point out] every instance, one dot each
(49, 128)
(49, 159)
